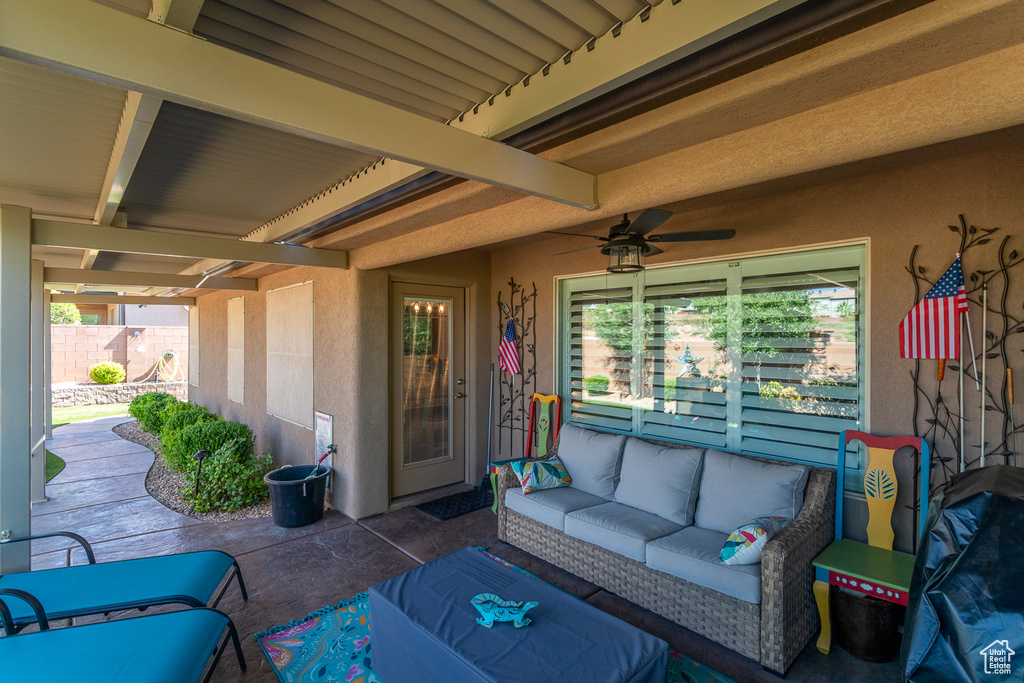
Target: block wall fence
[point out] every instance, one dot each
(76, 348)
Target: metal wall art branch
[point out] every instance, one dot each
(514, 391)
(938, 419)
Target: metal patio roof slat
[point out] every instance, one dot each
(623, 10)
(430, 56)
(507, 26)
(450, 46)
(542, 18)
(586, 14)
(316, 68)
(338, 57)
(352, 47)
(442, 19)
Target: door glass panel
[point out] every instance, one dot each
(426, 337)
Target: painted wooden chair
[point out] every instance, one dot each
(545, 421)
(871, 568)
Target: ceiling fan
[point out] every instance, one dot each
(629, 241)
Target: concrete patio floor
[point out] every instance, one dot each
(291, 572)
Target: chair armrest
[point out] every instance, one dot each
(788, 614)
(75, 537)
(505, 480)
(37, 607)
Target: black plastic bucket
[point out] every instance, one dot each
(294, 499)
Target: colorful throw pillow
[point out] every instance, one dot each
(535, 475)
(744, 545)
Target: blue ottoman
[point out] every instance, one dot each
(424, 629)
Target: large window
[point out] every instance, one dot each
(763, 356)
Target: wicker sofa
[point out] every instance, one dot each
(773, 630)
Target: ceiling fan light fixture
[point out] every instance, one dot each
(624, 258)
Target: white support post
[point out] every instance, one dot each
(15, 385)
(47, 365)
(38, 467)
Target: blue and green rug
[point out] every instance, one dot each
(333, 645)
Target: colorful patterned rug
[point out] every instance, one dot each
(333, 645)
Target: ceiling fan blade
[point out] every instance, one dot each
(652, 250)
(576, 234)
(649, 220)
(593, 246)
(695, 236)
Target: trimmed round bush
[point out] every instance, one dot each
(176, 417)
(107, 373)
(148, 409)
(596, 384)
(210, 437)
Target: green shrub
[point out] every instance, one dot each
(107, 373)
(596, 384)
(670, 388)
(65, 314)
(148, 409)
(176, 417)
(210, 437)
(229, 479)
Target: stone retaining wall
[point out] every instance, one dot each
(99, 394)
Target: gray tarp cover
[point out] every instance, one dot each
(965, 618)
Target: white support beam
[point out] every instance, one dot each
(103, 44)
(61, 234)
(15, 385)
(136, 123)
(39, 339)
(122, 300)
(48, 367)
(75, 276)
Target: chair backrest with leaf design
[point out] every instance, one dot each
(880, 485)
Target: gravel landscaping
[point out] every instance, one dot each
(164, 483)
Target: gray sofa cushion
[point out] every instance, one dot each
(619, 528)
(734, 490)
(660, 480)
(591, 458)
(692, 554)
(549, 506)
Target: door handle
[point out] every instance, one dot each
(460, 395)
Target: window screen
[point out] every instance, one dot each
(290, 354)
(236, 350)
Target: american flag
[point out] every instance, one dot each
(509, 352)
(932, 328)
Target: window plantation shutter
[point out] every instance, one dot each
(799, 364)
(598, 312)
(689, 399)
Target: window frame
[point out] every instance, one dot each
(752, 264)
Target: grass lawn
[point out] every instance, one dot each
(63, 416)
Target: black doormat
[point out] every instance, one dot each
(460, 503)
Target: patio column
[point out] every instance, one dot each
(47, 367)
(15, 384)
(38, 301)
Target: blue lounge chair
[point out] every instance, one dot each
(174, 647)
(99, 588)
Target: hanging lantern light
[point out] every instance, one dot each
(625, 255)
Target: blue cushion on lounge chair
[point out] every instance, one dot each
(189, 578)
(170, 648)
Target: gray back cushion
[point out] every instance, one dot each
(660, 479)
(734, 490)
(591, 458)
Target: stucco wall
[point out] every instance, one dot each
(893, 203)
(350, 352)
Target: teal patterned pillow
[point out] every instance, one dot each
(744, 545)
(535, 475)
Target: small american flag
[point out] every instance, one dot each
(932, 328)
(508, 351)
